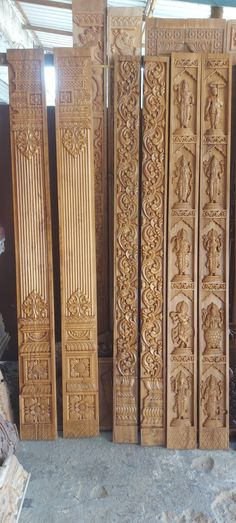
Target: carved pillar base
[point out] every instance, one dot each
(13, 485)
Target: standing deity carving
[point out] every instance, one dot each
(182, 249)
(212, 393)
(183, 176)
(184, 101)
(214, 172)
(181, 333)
(181, 387)
(213, 108)
(213, 324)
(212, 243)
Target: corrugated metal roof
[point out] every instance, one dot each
(44, 16)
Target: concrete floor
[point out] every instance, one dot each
(96, 481)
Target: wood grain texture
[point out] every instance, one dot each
(214, 252)
(124, 37)
(89, 31)
(164, 35)
(153, 250)
(183, 250)
(75, 162)
(125, 375)
(32, 219)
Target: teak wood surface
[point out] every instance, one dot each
(153, 250)
(214, 252)
(75, 171)
(126, 198)
(185, 88)
(33, 245)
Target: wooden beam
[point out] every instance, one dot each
(36, 28)
(46, 3)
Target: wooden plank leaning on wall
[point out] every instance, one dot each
(75, 167)
(126, 162)
(33, 243)
(89, 30)
(183, 250)
(214, 252)
(153, 250)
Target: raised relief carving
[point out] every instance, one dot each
(29, 142)
(214, 252)
(34, 307)
(77, 242)
(79, 305)
(184, 101)
(213, 323)
(183, 249)
(181, 387)
(182, 255)
(32, 217)
(37, 410)
(214, 172)
(213, 109)
(212, 243)
(183, 176)
(211, 399)
(181, 333)
(126, 241)
(154, 201)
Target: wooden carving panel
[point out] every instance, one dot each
(153, 250)
(127, 89)
(77, 242)
(183, 250)
(214, 252)
(89, 31)
(124, 31)
(231, 40)
(32, 217)
(165, 35)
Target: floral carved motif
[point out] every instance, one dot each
(82, 407)
(152, 244)
(80, 367)
(34, 307)
(29, 142)
(37, 370)
(79, 305)
(126, 243)
(74, 140)
(37, 410)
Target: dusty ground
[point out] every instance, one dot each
(96, 481)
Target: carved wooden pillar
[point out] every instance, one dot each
(77, 241)
(153, 250)
(214, 252)
(32, 217)
(127, 100)
(183, 251)
(124, 38)
(89, 30)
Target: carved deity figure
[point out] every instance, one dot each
(182, 331)
(212, 243)
(212, 392)
(183, 176)
(123, 42)
(213, 322)
(213, 108)
(184, 101)
(213, 172)
(181, 387)
(182, 249)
